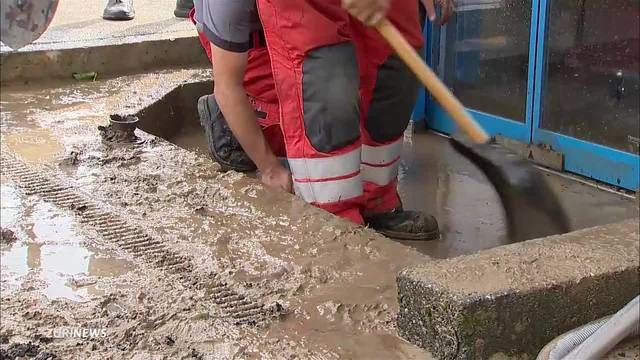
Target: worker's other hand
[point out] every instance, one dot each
(448, 8)
(277, 177)
(369, 12)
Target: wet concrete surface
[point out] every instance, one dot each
(515, 299)
(79, 41)
(79, 23)
(332, 284)
(436, 179)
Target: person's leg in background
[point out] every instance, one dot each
(123, 9)
(183, 7)
(316, 75)
(118, 10)
(260, 87)
(388, 91)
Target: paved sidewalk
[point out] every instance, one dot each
(79, 23)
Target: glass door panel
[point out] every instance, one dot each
(485, 57)
(591, 75)
(562, 74)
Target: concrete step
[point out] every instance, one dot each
(512, 300)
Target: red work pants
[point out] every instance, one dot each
(341, 99)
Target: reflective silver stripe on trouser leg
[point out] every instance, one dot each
(380, 163)
(328, 179)
(327, 192)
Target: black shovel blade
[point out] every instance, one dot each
(531, 208)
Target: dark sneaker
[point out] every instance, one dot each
(223, 146)
(119, 10)
(182, 8)
(404, 225)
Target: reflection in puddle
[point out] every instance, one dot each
(34, 146)
(51, 251)
(12, 207)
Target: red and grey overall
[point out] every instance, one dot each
(328, 91)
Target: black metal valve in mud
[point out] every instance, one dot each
(121, 130)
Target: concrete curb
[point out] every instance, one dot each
(513, 300)
(106, 60)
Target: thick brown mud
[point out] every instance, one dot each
(327, 287)
(319, 287)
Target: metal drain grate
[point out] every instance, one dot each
(131, 239)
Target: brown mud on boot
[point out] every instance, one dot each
(119, 10)
(182, 8)
(224, 148)
(404, 225)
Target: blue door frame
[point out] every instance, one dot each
(493, 124)
(588, 159)
(595, 161)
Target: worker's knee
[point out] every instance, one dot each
(392, 102)
(330, 96)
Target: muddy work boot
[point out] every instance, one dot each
(119, 10)
(404, 225)
(223, 146)
(182, 8)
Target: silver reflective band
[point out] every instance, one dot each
(326, 168)
(380, 155)
(382, 175)
(329, 191)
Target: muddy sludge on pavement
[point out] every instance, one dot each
(330, 286)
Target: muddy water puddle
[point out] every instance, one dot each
(50, 252)
(26, 107)
(34, 145)
(69, 104)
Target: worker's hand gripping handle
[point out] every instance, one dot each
(431, 81)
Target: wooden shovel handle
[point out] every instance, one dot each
(431, 81)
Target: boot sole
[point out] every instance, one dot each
(207, 122)
(117, 17)
(398, 235)
(181, 13)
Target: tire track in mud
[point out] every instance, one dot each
(239, 309)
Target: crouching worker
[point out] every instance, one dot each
(305, 80)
